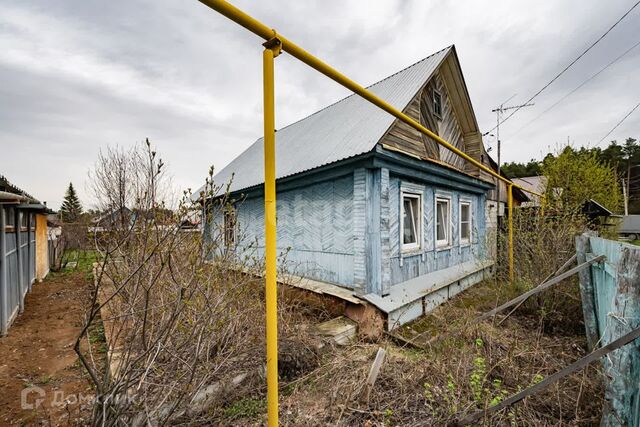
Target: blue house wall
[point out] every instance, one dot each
(314, 229)
(343, 228)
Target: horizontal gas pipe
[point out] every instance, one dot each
(294, 50)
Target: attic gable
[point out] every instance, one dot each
(456, 122)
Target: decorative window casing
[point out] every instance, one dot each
(437, 104)
(411, 221)
(443, 222)
(466, 223)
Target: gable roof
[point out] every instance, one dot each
(350, 127)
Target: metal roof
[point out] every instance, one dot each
(537, 183)
(350, 127)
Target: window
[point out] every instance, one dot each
(465, 222)
(437, 103)
(443, 222)
(229, 227)
(411, 225)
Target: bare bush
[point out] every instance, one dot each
(183, 316)
(542, 243)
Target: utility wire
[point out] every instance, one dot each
(578, 87)
(568, 66)
(619, 123)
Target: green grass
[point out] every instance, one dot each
(635, 242)
(83, 258)
(248, 407)
(96, 334)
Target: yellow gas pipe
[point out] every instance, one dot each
(273, 47)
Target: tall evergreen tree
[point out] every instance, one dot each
(71, 208)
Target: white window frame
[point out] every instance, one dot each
(411, 247)
(464, 242)
(442, 244)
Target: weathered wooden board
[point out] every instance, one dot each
(611, 304)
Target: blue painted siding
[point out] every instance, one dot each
(346, 230)
(406, 266)
(314, 227)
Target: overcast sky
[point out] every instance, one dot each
(76, 76)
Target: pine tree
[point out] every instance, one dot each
(71, 208)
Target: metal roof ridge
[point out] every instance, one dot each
(367, 87)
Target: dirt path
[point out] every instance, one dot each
(40, 376)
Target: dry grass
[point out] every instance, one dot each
(466, 370)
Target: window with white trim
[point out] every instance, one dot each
(443, 222)
(465, 222)
(411, 226)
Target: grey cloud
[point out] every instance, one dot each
(76, 76)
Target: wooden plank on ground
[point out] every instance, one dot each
(374, 371)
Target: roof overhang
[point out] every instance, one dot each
(7, 197)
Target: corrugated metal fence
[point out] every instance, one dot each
(611, 304)
(17, 262)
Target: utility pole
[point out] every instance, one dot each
(625, 193)
(499, 110)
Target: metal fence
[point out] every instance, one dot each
(17, 261)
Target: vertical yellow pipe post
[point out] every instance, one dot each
(271, 50)
(510, 207)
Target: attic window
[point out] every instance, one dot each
(437, 104)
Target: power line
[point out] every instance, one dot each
(619, 123)
(570, 65)
(578, 87)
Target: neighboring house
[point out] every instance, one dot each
(116, 219)
(496, 210)
(23, 249)
(366, 203)
(597, 214)
(537, 183)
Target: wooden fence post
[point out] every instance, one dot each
(622, 390)
(583, 246)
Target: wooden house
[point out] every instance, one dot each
(23, 249)
(368, 204)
